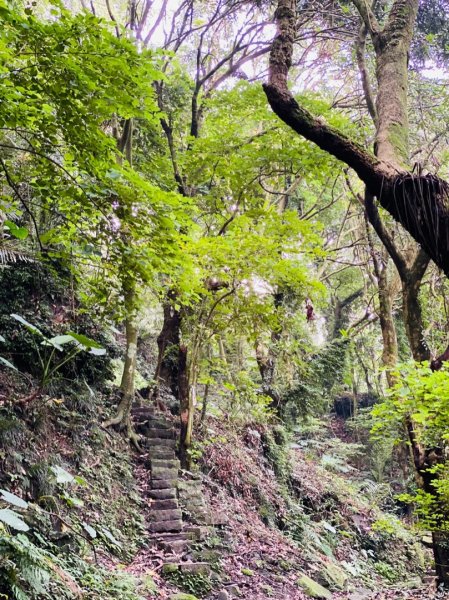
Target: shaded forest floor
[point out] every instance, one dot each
(289, 506)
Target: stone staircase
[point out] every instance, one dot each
(168, 530)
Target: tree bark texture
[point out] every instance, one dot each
(168, 341)
(185, 438)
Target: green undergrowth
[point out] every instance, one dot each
(77, 502)
(331, 510)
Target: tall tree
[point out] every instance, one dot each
(419, 202)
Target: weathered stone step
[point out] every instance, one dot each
(175, 546)
(163, 484)
(154, 422)
(163, 494)
(173, 514)
(161, 453)
(143, 412)
(159, 526)
(163, 473)
(154, 432)
(165, 463)
(198, 532)
(172, 537)
(164, 504)
(159, 442)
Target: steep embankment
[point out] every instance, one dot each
(263, 517)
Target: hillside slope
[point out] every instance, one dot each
(273, 515)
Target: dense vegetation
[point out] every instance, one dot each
(226, 220)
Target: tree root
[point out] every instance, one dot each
(123, 422)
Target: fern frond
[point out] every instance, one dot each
(9, 254)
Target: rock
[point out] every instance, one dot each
(361, 594)
(334, 576)
(198, 532)
(195, 568)
(223, 595)
(149, 584)
(314, 589)
(208, 555)
(182, 597)
(170, 568)
(233, 591)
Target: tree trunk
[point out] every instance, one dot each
(127, 389)
(411, 309)
(392, 46)
(168, 368)
(185, 439)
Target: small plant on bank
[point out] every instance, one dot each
(53, 353)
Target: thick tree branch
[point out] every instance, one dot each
(419, 203)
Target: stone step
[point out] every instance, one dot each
(173, 514)
(143, 412)
(154, 433)
(161, 526)
(163, 484)
(169, 504)
(175, 546)
(165, 463)
(198, 532)
(161, 453)
(162, 494)
(159, 442)
(163, 473)
(154, 422)
(172, 537)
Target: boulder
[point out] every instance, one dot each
(314, 589)
(334, 576)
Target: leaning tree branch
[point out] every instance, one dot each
(419, 202)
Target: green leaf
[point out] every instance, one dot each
(89, 530)
(108, 535)
(2, 339)
(73, 502)
(7, 363)
(13, 499)
(9, 517)
(88, 344)
(29, 326)
(60, 340)
(62, 476)
(18, 232)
